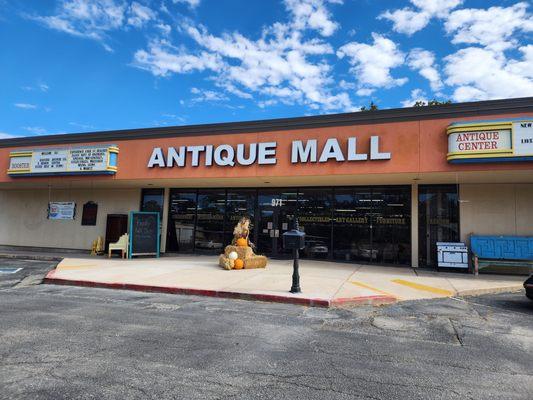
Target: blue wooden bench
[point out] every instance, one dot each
(490, 251)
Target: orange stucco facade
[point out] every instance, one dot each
(415, 147)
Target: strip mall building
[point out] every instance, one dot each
(378, 186)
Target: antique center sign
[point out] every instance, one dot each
(491, 141)
(264, 153)
(100, 159)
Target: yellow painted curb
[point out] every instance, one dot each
(364, 285)
(425, 288)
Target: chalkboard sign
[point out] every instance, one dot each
(144, 234)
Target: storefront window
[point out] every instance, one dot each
(182, 220)
(210, 221)
(361, 224)
(314, 217)
(438, 219)
(351, 224)
(152, 200)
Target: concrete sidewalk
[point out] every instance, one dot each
(323, 283)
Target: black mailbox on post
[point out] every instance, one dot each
(293, 240)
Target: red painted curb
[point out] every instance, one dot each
(189, 291)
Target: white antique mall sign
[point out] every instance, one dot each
(490, 141)
(264, 153)
(64, 161)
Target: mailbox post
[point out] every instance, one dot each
(294, 240)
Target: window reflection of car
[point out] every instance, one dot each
(365, 250)
(315, 248)
(208, 244)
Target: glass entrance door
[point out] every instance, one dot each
(372, 224)
(352, 217)
(438, 219)
(277, 209)
(391, 224)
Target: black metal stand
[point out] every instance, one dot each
(295, 288)
(295, 273)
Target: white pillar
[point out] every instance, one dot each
(414, 225)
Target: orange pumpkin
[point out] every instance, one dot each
(242, 242)
(238, 264)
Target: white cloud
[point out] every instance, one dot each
(267, 103)
(522, 67)
(492, 28)
(312, 14)
(231, 88)
(139, 15)
(203, 95)
(162, 59)
(190, 3)
(483, 74)
(175, 117)
(408, 20)
(423, 61)
(4, 135)
(43, 87)
(437, 8)
(281, 65)
(346, 85)
(416, 95)
(164, 28)
(86, 18)
(82, 126)
(365, 92)
(372, 63)
(36, 130)
(287, 64)
(25, 106)
(93, 19)
(277, 65)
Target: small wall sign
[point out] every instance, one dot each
(90, 213)
(490, 141)
(61, 210)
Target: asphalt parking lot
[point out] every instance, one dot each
(15, 272)
(60, 342)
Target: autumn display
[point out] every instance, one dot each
(239, 254)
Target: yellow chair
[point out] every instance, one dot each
(97, 247)
(121, 244)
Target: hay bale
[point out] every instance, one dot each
(244, 252)
(255, 262)
(225, 262)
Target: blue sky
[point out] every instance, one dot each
(88, 65)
